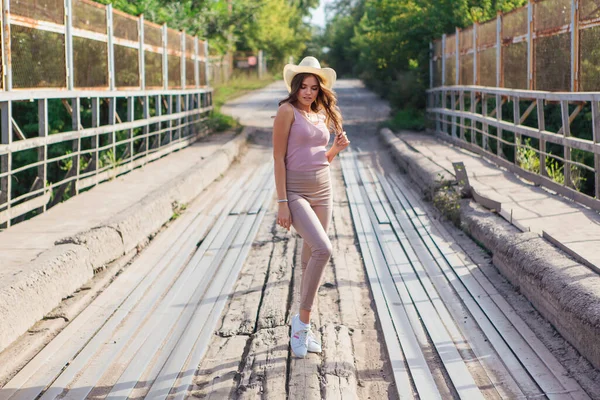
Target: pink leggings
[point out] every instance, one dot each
(310, 202)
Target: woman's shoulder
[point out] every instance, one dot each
(286, 108)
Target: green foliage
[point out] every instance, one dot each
(407, 119)
(529, 160)
(386, 42)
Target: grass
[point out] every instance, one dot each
(406, 119)
(237, 86)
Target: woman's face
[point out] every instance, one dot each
(309, 89)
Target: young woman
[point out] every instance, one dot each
(300, 138)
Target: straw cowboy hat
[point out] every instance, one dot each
(309, 65)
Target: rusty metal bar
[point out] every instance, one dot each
(141, 53)
(196, 63)
(499, 73)
(182, 62)
(6, 47)
(111, 47)
(165, 59)
(475, 55)
(574, 45)
(69, 44)
(530, 49)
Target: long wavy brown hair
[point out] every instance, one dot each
(326, 102)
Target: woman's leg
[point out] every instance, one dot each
(311, 224)
(324, 214)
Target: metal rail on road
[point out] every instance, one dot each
(439, 312)
(153, 324)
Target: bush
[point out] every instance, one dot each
(407, 119)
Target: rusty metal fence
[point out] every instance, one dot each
(523, 89)
(129, 90)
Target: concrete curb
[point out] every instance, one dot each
(61, 270)
(565, 292)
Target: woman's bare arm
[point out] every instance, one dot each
(281, 130)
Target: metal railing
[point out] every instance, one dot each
(487, 81)
(90, 93)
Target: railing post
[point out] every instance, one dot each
(165, 58)
(574, 45)
(457, 57)
(484, 112)
(158, 113)
(130, 118)
(69, 44)
(530, 52)
(541, 128)
(499, 72)
(141, 53)
(196, 63)
(6, 135)
(596, 134)
(453, 108)
(564, 110)
(111, 47)
(6, 47)
(76, 123)
(146, 129)
(461, 101)
(42, 170)
(182, 58)
(499, 81)
(517, 121)
(95, 138)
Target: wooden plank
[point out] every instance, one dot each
(374, 201)
(265, 366)
(338, 365)
(136, 279)
(236, 256)
(431, 310)
(540, 363)
(199, 326)
(250, 195)
(166, 327)
(216, 377)
(392, 316)
(241, 314)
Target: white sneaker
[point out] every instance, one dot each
(299, 339)
(313, 345)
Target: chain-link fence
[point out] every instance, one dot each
(523, 89)
(549, 45)
(89, 93)
(79, 44)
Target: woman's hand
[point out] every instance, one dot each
(341, 142)
(284, 217)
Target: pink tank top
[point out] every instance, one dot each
(306, 144)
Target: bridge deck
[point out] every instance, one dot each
(405, 309)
